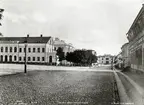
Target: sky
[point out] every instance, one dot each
(100, 25)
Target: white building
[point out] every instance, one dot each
(66, 47)
(105, 59)
(38, 49)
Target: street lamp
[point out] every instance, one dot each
(25, 64)
(112, 63)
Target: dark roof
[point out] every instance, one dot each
(29, 39)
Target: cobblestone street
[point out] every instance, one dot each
(57, 88)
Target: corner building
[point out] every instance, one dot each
(135, 36)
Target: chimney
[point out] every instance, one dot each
(41, 35)
(27, 35)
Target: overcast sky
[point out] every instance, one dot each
(92, 24)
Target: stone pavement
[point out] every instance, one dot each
(14, 68)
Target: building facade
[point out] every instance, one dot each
(125, 55)
(118, 61)
(33, 49)
(61, 44)
(105, 59)
(135, 36)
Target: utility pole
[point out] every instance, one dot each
(25, 64)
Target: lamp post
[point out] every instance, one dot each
(25, 63)
(112, 63)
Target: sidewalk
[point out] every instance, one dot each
(136, 77)
(134, 85)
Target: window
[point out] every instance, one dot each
(43, 59)
(24, 58)
(29, 58)
(15, 58)
(10, 49)
(24, 49)
(43, 50)
(38, 49)
(1, 49)
(33, 58)
(33, 49)
(6, 49)
(20, 49)
(29, 49)
(20, 58)
(38, 58)
(107, 58)
(15, 49)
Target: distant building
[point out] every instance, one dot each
(118, 61)
(105, 59)
(66, 47)
(125, 55)
(39, 49)
(135, 36)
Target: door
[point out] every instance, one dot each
(50, 59)
(6, 59)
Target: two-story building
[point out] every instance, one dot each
(32, 49)
(105, 59)
(135, 36)
(66, 47)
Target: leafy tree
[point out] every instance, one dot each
(1, 34)
(81, 57)
(60, 54)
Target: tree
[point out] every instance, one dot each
(81, 57)
(1, 11)
(1, 34)
(60, 54)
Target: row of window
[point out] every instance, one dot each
(22, 49)
(32, 58)
(107, 58)
(20, 58)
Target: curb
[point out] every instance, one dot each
(139, 89)
(122, 92)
